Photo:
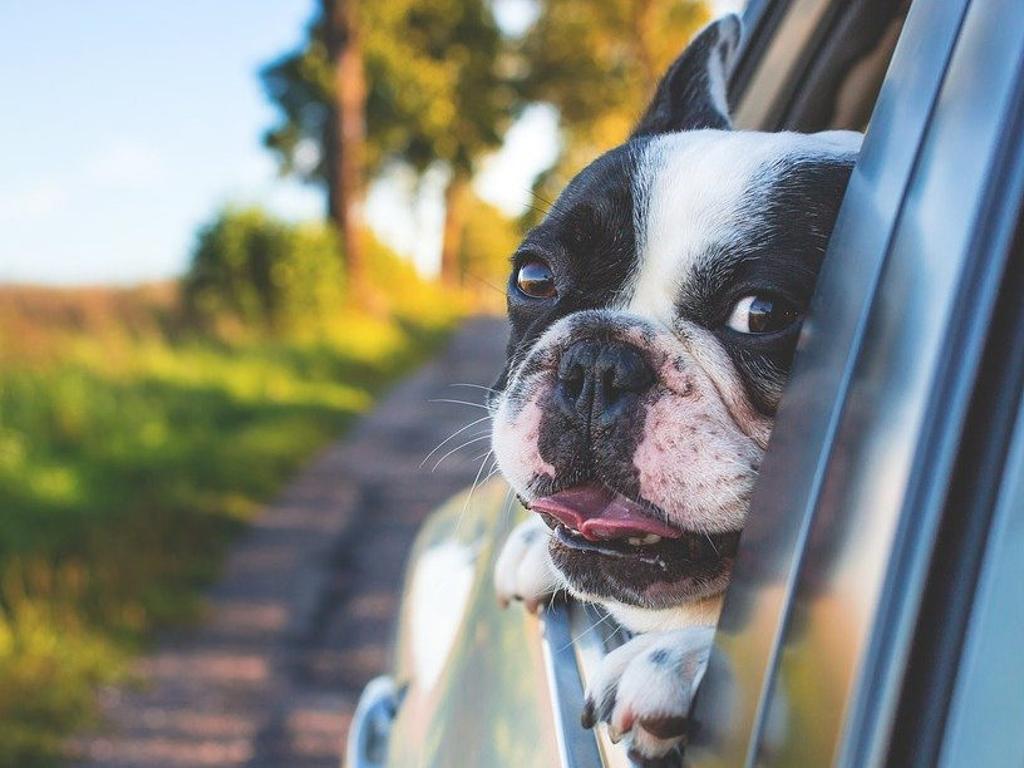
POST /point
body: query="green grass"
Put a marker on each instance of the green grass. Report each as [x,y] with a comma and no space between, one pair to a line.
[126,466]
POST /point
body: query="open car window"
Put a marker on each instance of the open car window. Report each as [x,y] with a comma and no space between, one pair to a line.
[820,618]
[795,72]
[811,65]
[812,654]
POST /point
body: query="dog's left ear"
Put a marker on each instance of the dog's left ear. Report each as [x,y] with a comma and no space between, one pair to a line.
[692,94]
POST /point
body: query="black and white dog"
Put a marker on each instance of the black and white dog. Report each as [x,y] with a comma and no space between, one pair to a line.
[654,313]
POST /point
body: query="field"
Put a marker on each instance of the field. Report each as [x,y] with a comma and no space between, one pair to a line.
[131,451]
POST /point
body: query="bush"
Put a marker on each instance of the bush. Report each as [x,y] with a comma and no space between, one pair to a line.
[252,271]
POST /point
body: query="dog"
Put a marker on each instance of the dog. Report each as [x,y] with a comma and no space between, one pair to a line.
[654,316]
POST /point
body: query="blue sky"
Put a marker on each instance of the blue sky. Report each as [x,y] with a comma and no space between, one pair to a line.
[126,124]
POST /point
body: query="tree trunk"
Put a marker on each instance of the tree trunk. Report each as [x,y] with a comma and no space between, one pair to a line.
[344,162]
[456,198]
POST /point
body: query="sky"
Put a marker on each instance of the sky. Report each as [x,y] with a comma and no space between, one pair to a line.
[127,125]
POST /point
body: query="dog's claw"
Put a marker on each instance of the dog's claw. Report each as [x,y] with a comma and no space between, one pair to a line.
[639,759]
[587,717]
[668,727]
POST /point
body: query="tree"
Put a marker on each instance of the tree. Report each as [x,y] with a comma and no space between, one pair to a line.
[346,137]
[598,62]
[435,92]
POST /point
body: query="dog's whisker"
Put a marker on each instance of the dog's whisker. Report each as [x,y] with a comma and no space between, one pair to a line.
[473,386]
[491,473]
[477,439]
[541,198]
[506,509]
[472,490]
[460,402]
[586,632]
[481,279]
[712,543]
[451,437]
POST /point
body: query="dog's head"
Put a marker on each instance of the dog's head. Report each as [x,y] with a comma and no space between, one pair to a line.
[654,314]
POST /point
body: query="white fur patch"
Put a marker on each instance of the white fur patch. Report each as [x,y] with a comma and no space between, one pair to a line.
[692,187]
[699,613]
[516,443]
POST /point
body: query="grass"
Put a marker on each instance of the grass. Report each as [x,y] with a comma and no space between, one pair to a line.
[129,458]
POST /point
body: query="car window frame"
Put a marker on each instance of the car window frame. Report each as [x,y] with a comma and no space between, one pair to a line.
[963,685]
[746,666]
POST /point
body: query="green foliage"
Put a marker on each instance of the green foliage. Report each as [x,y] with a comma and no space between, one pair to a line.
[250,270]
[301,85]
[435,89]
[127,463]
[598,62]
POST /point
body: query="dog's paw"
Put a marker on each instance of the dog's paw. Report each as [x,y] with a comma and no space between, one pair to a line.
[644,688]
[523,570]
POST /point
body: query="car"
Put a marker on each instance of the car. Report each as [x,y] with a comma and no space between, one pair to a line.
[877,601]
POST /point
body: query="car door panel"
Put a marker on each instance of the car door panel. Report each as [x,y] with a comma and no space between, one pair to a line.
[730,704]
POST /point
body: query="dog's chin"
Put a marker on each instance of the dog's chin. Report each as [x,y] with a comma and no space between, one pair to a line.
[660,575]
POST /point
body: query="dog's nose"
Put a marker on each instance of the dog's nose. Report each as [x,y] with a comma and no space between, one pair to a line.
[599,380]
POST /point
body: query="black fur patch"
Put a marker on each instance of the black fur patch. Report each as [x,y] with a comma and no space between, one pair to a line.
[674,579]
[588,239]
[777,252]
[683,100]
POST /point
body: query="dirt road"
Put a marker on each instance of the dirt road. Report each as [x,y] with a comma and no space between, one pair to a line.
[303,613]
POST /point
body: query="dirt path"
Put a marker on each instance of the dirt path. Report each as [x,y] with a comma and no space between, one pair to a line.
[302,616]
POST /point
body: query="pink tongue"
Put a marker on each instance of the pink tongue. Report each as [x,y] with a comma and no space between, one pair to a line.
[599,513]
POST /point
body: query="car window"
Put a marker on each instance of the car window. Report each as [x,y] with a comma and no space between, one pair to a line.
[820,610]
[592,637]
[812,65]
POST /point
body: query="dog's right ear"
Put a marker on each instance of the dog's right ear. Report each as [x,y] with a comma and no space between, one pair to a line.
[692,94]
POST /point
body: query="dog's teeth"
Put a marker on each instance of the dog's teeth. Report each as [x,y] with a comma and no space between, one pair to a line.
[638,541]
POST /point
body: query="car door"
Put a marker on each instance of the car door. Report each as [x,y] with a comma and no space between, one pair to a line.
[852,595]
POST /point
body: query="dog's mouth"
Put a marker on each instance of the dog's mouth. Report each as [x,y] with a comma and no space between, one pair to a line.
[594,518]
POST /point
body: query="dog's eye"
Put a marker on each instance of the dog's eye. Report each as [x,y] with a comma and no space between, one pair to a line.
[535,279]
[762,314]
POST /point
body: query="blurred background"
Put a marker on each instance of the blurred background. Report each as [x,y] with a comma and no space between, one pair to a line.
[225,229]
